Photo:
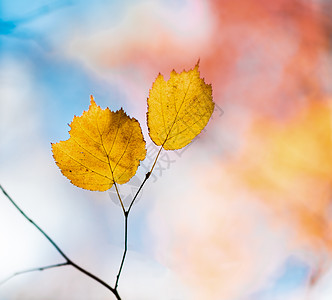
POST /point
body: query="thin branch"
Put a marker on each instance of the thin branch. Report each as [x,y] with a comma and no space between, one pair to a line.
[124,251]
[33,270]
[34,224]
[126,214]
[68,261]
[147,175]
[87,273]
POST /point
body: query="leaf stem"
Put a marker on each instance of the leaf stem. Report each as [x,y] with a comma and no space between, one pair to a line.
[155,161]
[147,175]
[117,191]
[68,261]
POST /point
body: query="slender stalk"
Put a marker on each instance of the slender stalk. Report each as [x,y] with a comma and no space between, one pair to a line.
[117,191]
[147,175]
[155,161]
[33,270]
[126,214]
[68,261]
[124,251]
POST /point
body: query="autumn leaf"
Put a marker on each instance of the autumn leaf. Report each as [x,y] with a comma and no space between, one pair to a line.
[178,109]
[104,148]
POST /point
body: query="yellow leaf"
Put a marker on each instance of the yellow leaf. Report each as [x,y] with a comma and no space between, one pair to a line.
[178,109]
[104,147]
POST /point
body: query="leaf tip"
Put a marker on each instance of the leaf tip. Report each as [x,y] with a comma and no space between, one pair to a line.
[159,77]
[197,64]
[92,101]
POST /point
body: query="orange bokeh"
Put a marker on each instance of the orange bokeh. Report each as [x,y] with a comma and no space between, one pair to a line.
[290,166]
[263,55]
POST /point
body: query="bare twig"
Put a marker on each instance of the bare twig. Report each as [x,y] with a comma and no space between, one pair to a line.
[33,270]
[126,214]
[68,261]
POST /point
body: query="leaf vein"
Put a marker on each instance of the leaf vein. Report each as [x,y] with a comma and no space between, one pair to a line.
[71,157]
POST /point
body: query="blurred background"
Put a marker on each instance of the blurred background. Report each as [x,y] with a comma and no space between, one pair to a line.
[242,213]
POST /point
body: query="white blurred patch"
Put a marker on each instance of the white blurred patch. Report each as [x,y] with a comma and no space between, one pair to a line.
[209,232]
